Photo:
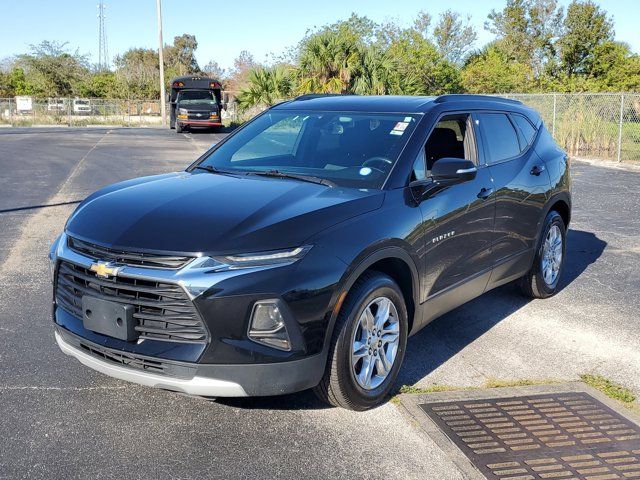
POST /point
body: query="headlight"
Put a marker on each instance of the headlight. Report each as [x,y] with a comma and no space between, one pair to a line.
[259,259]
[53,257]
[183,111]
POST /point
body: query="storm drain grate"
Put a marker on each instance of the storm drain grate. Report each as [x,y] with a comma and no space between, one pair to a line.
[555,436]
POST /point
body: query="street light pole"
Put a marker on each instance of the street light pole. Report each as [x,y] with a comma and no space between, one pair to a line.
[163,107]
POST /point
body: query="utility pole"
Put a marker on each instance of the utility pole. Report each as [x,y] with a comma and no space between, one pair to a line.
[163,107]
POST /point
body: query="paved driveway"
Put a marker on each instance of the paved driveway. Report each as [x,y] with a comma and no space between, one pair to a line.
[58,418]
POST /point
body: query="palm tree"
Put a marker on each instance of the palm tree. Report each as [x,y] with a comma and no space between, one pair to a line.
[266,86]
[376,73]
[327,63]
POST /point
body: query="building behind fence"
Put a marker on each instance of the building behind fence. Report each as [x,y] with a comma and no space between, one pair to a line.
[604,126]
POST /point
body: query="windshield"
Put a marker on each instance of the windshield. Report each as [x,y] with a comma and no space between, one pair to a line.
[351,149]
[187,97]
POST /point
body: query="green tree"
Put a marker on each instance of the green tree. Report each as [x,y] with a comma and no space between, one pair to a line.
[614,68]
[376,73]
[454,37]
[526,31]
[102,84]
[137,69]
[266,86]
[420,69]
[327,63]
[52,70]
[491,71]
[586,26]
[17,83]
[180,57]
[137,72]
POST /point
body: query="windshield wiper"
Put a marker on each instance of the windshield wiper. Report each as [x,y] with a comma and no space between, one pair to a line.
[212,169]
[294,176]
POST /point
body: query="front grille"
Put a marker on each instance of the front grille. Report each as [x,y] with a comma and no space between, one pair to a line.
[135,259]
[125,359]
[204,115]
[162,310]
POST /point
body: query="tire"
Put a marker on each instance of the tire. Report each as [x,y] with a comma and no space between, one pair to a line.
[340,385]
[534,284]
[178,128]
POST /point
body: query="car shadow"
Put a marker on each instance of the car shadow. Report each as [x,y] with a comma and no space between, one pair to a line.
[227,129]
[448,335]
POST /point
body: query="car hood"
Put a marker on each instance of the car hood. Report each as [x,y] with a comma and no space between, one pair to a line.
[214,214]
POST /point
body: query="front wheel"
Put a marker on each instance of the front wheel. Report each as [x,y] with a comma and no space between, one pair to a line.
[367,346]
[542,279]
[178,128]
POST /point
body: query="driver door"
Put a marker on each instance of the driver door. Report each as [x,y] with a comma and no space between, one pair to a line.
[459,220]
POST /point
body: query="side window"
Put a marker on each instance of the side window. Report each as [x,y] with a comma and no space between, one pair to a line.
[500,137]
[419,171]
[450,138]
[527,130]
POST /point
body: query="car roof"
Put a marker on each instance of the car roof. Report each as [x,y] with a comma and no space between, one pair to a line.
[363,103]
[405,104]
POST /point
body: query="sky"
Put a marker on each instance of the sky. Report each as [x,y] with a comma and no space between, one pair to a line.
[223,29]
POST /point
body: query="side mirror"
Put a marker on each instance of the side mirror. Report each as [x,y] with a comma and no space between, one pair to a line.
[451,171]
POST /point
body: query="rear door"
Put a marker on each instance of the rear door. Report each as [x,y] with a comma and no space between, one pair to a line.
[521,183]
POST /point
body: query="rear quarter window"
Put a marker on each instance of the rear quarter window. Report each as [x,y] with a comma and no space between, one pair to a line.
[528,131]
[500,137]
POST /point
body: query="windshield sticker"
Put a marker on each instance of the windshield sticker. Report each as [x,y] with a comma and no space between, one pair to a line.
[365,171]
[399,128]
[408,119]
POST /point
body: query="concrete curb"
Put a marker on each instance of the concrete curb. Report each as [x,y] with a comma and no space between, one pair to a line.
[630,167]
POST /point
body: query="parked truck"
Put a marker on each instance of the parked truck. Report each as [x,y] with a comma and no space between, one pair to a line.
[195,102]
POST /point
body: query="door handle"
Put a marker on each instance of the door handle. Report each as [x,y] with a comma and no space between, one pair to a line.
[485,193]
[537,170]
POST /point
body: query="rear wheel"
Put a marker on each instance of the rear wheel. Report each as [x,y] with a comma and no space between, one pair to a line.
[368,345]
[542,280]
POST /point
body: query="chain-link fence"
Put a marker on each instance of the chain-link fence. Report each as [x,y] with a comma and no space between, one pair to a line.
[605,126]
[593,125]
[29,111]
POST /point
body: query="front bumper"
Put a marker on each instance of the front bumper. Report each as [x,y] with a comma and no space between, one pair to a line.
[194,386]
[206,380]
[200,123]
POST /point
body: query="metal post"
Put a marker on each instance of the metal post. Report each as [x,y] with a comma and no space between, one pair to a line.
[163,108]
[553,126]
[620,128]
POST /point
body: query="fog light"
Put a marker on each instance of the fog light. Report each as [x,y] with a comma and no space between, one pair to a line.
[267,325]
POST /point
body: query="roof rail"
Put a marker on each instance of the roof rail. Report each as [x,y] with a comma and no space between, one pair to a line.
[451,97]
[311,96]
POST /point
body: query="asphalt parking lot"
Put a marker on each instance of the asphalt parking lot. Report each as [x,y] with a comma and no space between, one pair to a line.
[60,419]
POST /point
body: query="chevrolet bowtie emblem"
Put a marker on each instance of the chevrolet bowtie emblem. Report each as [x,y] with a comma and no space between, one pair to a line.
[104,269]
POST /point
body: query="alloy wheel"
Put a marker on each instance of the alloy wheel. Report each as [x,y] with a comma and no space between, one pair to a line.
[552,255]
[375,343]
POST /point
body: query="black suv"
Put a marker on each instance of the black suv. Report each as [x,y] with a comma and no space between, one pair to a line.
[303,249]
